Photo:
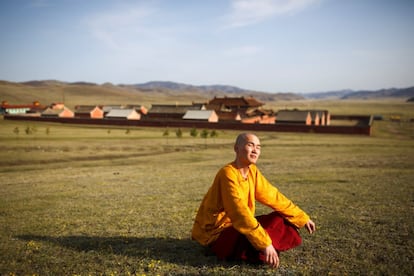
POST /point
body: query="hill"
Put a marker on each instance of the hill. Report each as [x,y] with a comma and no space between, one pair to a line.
[182,86]
[210,91]
[392,92]
[363,94]
[75,93]
[49,91]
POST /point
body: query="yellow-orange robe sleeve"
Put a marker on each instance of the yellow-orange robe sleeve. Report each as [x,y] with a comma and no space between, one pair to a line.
[269,195]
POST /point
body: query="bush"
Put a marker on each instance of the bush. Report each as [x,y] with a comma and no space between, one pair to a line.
[213,133]
[204,133]
[194,132]
[30,130]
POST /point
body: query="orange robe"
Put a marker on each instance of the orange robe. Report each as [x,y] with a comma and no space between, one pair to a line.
[230,201]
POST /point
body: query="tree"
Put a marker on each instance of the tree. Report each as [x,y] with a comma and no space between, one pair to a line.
[166,133]
[204,133]
[213,134]
[179,133]
[28,130]
[194,132]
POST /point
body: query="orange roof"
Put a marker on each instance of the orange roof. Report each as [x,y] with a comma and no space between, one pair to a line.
[18,106]
[236,101]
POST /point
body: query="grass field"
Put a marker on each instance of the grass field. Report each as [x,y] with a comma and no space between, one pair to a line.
[79,200]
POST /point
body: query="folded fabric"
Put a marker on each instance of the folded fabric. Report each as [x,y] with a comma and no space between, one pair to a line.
[232,245]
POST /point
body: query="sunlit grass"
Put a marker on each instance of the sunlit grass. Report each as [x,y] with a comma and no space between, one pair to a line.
[89,200]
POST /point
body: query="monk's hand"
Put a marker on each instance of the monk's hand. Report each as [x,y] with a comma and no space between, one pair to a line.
[271,257]
[310,226]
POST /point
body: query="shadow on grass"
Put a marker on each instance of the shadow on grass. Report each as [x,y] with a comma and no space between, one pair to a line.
[182,252]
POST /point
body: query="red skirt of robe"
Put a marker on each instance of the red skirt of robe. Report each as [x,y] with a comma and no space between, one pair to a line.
[232,245]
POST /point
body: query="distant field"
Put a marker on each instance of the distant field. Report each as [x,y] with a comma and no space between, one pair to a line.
[117,201]
[384,107]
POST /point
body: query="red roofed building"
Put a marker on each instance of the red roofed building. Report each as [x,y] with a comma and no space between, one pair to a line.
[248,110]
[12,109]
[58,110]
[171,111]
[88,111]
[294,117]
[233,103]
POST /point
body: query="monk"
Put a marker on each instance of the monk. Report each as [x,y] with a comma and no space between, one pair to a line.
[225,222]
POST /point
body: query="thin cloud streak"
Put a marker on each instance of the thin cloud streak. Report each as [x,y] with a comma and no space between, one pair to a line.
[112,28]
[249,12]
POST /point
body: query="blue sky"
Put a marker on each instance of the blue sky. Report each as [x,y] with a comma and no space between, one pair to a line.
[263,45]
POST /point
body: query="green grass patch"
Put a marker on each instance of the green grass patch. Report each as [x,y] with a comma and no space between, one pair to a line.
[84,200]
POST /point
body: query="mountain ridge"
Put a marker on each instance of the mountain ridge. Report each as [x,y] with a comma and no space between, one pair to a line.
[182,86]
[338,94]
[345,94]
[167,90]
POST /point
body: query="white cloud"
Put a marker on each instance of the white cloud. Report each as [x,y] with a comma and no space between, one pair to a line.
[115,28]
[248,12]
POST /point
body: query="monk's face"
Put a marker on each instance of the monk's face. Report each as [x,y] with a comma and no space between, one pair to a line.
[248,150]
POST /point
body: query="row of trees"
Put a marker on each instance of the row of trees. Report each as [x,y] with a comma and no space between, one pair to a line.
[193,133]
[178,133]
[29,130]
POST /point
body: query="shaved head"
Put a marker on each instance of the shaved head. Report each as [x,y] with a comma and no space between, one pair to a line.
[247,149]
[242,138]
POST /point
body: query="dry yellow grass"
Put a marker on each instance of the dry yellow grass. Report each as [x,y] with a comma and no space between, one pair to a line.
[89,200]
